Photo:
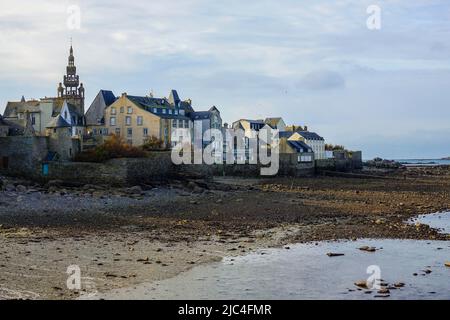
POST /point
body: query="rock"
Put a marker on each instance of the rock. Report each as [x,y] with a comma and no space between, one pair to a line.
[21,188]
[135,190]
[447,264]
[10,187]
[55,183]
[331,254]
[427,271]
[361,284]
[399,285]
[384,291]
[143,260]
[368,249]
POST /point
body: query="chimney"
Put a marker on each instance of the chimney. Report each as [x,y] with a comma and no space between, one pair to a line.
[306,128]
[124,94]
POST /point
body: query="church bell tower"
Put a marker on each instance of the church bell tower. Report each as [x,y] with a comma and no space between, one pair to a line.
[73,90]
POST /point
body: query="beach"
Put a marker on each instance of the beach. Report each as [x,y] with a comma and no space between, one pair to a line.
[123,237]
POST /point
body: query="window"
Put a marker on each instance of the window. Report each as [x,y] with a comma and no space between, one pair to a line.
[130,110]
[65,115]
[20,115]
[33,119]
[112,121]
[113,110]
[130,142]
[174,123]
[170,111]
[140,121]
[175,112]
[145,132]
[122,109]
[95,131]
[128,121]
[164,111]
[4,163]
[129,132]
[155,110]
[118,132]
[105,131]
[186,124]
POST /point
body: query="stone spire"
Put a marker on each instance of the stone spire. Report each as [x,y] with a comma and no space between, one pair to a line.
[71,89]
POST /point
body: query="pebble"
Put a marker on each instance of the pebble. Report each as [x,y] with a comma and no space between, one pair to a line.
[331,254]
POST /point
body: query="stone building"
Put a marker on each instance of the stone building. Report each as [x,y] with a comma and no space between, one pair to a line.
[138,118]
[39,113]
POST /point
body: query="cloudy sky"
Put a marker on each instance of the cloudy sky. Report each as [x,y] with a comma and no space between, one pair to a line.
[386,92]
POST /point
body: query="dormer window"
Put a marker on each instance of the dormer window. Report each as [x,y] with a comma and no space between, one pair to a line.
[155,110]
[164,111]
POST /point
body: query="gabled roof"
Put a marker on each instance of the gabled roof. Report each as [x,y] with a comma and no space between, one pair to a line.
[300,146]
[58,122]
[310,135]
[200,115]
[12,108]
[150,102]
[108,97]
[174,99]
[273,121]
[286,134]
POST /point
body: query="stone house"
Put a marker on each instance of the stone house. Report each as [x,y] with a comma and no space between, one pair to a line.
[312,139]
[276,123]
[137,118]
[95,115]
[207,120]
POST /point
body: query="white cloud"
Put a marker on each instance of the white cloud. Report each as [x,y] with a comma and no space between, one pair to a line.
[247,57]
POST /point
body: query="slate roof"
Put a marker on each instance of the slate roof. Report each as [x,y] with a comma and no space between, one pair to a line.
[300,146]
[310,135]
[200,115]
[13,108]
[286,134]
[58,122]
[148,103]
[273,121]
[108,97]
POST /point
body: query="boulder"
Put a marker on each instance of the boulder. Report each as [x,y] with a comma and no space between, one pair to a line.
[21,188]
[135,190]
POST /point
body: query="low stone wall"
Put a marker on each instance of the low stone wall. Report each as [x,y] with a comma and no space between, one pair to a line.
[288,165]
[116,172]
[22,156]
[341,165]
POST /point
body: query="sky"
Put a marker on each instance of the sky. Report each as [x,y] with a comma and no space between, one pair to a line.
[384,91]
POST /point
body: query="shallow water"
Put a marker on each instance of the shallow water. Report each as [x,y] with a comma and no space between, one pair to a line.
[306,272]
[440,221]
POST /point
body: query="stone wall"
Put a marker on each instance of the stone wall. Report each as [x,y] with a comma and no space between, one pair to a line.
[342,165]
[288,166]
[22,156]
[117,172]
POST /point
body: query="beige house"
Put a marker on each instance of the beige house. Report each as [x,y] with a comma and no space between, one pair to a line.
[136,119]
[312,139]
